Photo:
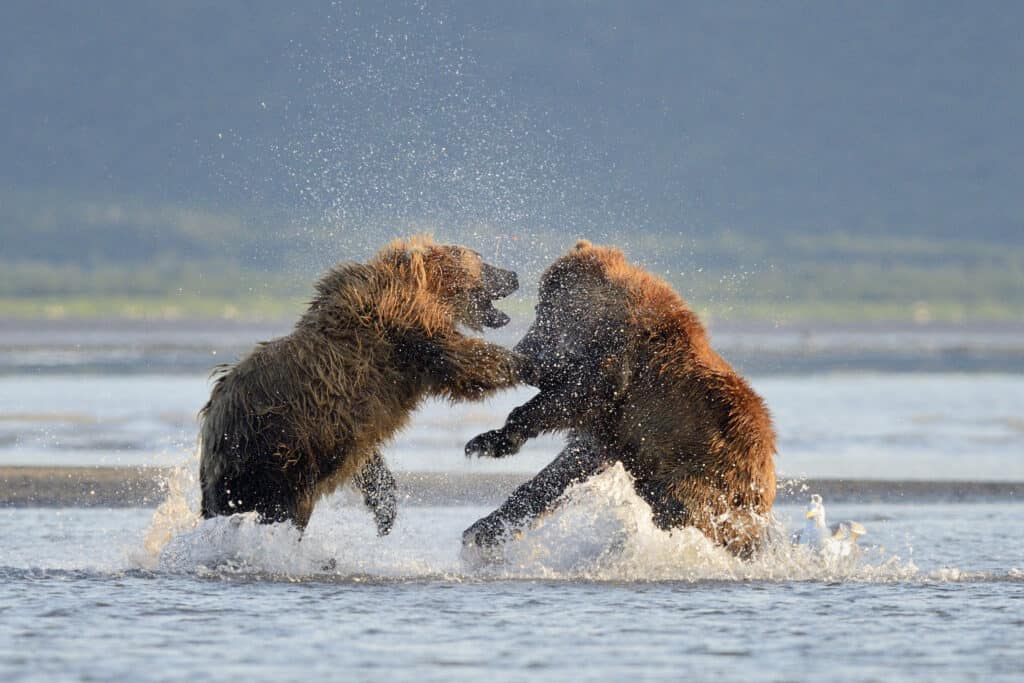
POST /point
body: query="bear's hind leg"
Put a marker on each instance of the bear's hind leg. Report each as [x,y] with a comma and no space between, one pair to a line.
[271,497]
[667,512]
[578,460]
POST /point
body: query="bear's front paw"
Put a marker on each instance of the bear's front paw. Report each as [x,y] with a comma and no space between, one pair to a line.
[493,444]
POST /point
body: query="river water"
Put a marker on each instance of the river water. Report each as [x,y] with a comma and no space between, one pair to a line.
[593,592]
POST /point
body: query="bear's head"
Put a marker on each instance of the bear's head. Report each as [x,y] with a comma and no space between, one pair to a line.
[581,312]
[448,284]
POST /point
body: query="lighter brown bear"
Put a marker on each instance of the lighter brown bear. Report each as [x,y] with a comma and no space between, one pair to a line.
[626,368]
[302,414]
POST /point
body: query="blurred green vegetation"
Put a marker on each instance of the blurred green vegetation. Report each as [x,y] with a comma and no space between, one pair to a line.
[211,273]
[842,277]
[69,257]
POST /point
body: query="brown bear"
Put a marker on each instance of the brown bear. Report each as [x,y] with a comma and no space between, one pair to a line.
[625,366]
[302,414]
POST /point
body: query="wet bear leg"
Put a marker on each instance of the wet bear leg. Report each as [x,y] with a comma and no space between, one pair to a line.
[667,513]
[545,412]
[579,460]
[269,496]
[377,484]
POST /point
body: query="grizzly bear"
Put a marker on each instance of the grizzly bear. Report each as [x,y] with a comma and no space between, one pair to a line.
[302,414]
[625,366]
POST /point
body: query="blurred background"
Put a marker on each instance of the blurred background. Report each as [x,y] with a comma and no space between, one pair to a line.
[782,162]
[834,186]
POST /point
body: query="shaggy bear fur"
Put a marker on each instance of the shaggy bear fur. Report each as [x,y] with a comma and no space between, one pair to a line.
[626,367]
[302,414]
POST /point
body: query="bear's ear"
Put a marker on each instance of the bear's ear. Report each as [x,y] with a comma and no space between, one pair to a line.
[573,271]
[583,244]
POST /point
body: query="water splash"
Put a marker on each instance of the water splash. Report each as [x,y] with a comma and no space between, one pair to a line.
[395,127]
[177,514]
[340,546]
[234,544]
[601,532]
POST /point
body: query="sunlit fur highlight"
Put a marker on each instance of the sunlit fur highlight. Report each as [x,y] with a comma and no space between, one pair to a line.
[726,478]
[660,398]
[301,414]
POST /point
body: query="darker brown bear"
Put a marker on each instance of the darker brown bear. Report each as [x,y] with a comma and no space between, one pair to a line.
[626,368]
[302,414]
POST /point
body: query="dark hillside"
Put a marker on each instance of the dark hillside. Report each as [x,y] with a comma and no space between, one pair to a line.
[196,137]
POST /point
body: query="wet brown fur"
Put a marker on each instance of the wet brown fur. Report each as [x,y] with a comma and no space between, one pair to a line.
[644,384]
[302,414]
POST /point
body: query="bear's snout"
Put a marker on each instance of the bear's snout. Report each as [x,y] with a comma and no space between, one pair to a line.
[499,283]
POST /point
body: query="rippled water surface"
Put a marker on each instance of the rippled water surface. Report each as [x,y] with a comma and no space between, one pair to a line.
[904,426]
[594,593]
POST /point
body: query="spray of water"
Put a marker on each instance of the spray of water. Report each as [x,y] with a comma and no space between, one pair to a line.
[602,531]
[398,128]
[176,515]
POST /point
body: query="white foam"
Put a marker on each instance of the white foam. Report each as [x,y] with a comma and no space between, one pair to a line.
[602,531]
[237,543]
[177,514]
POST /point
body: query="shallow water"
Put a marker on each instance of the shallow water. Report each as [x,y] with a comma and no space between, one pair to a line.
[909,426]
[153,627]
[594,592]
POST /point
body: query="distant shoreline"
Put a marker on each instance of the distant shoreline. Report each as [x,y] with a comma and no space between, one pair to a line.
[120,346]
[56,487]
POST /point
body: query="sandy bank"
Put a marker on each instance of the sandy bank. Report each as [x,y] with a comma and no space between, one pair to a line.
[144,487]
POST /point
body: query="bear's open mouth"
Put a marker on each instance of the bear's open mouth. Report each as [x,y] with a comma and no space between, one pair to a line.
[489,315]
[498,284]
